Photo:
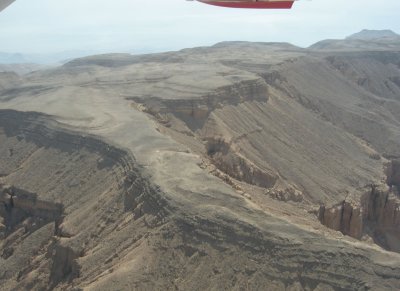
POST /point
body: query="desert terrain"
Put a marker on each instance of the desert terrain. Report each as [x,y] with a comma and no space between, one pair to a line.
[241,166]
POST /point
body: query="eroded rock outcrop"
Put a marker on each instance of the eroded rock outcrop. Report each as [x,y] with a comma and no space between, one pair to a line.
[194,111]
[376,214]
[346,217]
[227,159]
[64,266]
[101,189]
[18,205]
[393,173]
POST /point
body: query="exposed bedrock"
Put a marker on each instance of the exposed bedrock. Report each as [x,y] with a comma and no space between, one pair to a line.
[376,214]
[291,266]
[127,233]
[374,71]
[194,111]
[393,173]
[71,194]
[230,161]
[42,132]
[64,265]
[357,92]
[17,205]
[259,137]
[169,224]
[343,217]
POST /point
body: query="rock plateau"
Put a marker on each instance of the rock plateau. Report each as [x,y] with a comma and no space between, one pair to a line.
[241,166]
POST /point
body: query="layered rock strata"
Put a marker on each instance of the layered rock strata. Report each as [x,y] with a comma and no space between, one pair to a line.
[376,214]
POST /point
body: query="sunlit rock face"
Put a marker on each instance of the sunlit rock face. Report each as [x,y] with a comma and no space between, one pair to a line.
[376,215]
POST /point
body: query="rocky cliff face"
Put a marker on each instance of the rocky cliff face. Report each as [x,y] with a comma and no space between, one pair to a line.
[228,159]
[19,207]
[203,169]
[375,72]
[40,235]
[376,214]
[393,173]
[114,216]
[194,112]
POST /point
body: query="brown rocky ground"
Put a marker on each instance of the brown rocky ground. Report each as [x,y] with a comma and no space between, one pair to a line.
[242,166]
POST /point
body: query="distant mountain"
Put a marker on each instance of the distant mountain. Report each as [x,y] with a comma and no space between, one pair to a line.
[363,40]
[374,35]
[22,69]
[12,58]
[43,59]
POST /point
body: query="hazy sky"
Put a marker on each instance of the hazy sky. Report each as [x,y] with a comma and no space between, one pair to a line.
[44,26]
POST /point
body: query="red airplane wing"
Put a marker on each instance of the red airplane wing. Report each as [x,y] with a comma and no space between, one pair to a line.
[260,4]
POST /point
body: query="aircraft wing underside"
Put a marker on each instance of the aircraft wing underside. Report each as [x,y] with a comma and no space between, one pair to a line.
[255,4]
[5,3]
